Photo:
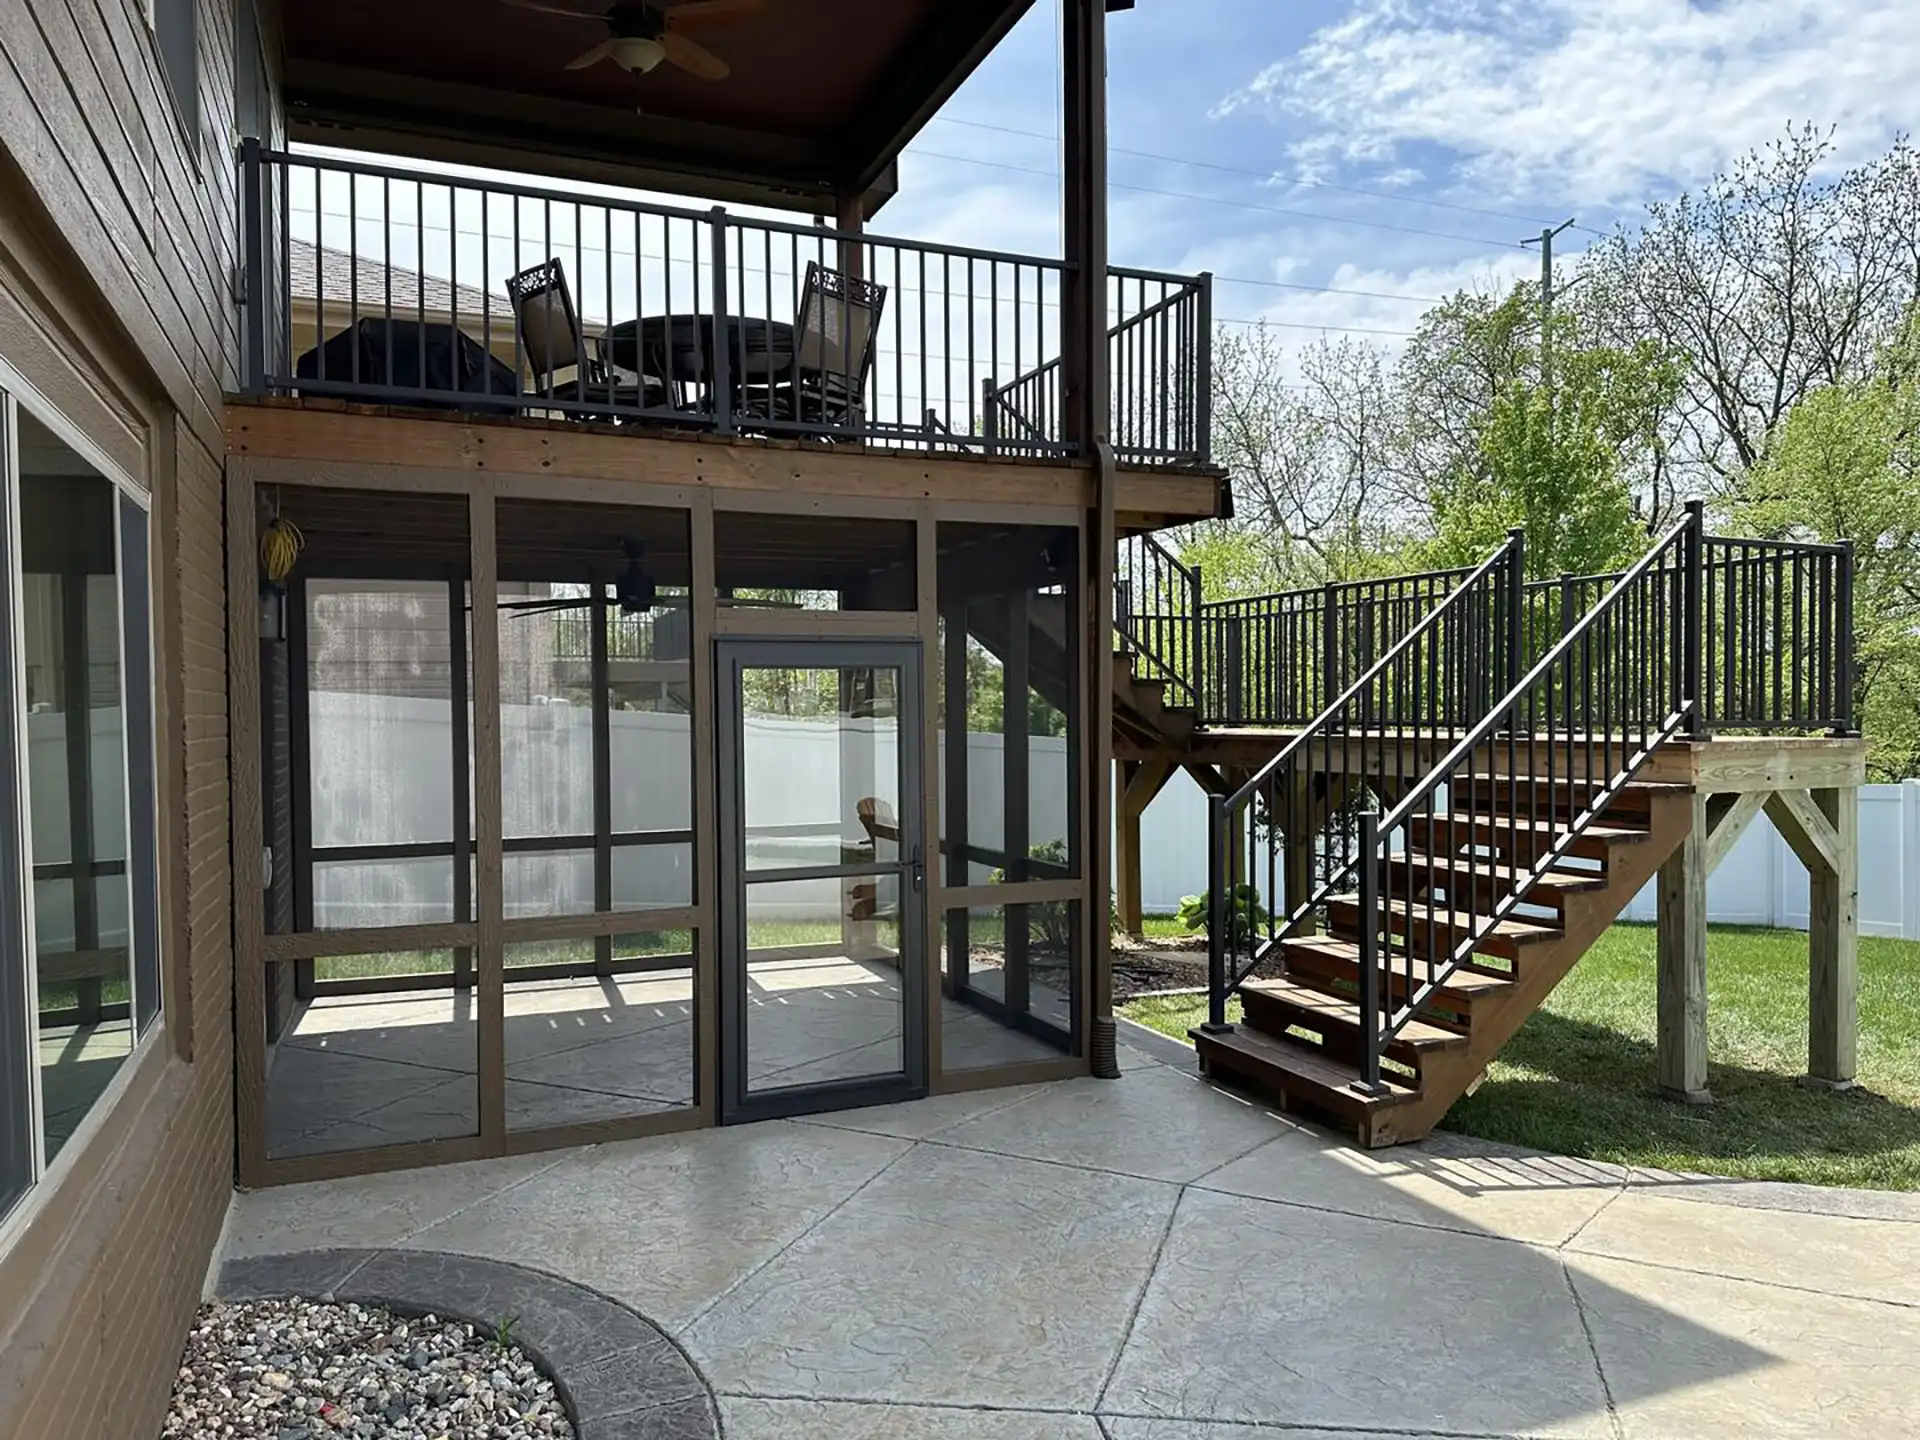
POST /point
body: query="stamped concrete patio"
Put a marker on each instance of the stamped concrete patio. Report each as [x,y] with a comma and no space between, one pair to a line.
[1154,1259]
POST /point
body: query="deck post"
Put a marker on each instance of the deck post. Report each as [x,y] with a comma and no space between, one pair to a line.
[1087,417]
[1126,860]
[849,218]
[1833,944]
[1681,1059]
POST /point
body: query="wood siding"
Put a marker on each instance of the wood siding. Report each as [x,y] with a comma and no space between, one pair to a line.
[117,258]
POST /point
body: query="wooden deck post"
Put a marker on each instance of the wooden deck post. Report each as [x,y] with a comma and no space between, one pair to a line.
[1833,944]
[1823,828]
[1136,784]
[1126,861]
[1681,1059]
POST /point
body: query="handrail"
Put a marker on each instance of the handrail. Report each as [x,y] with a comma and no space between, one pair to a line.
[1160,354]
[1398,698]
[1646,631]
[1165,639]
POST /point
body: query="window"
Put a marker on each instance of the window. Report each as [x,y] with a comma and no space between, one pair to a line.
[175,31]
[79,888]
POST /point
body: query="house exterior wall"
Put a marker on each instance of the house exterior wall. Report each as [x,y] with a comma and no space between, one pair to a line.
[117,252]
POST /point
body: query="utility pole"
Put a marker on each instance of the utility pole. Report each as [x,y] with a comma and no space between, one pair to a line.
[1545,241]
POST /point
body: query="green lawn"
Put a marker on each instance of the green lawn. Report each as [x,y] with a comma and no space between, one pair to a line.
[1579,1077]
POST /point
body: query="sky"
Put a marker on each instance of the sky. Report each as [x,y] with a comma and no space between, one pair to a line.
[1340,164]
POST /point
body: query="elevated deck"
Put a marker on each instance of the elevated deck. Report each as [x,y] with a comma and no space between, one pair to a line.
[1430,794]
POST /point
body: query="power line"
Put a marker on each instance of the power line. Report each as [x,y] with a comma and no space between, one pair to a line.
[1234,204]
[1328,290]
[1264,174]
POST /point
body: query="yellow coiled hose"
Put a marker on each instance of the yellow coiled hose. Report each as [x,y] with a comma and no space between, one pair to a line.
[280,548]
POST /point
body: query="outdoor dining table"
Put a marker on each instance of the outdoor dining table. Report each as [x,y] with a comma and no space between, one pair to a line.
[757,350]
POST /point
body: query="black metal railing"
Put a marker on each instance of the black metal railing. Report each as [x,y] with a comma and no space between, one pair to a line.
[1450,830]
[1776,622]
[1777,636]
[1156,599]
[366,282]
[1286,839]
[1459,853]
[1160,363]
[1281,659]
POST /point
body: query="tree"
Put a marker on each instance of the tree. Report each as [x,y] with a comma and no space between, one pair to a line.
[1845,465]
[1309,441]
[1769,282]
[1565,436]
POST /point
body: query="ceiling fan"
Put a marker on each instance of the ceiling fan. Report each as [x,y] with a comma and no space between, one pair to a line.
[645,33]
[634,590]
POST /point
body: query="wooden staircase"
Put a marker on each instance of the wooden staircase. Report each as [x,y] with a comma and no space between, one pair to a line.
[1302,1036]
[1143,713]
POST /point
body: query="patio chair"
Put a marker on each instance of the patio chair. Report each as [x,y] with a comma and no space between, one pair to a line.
[833,353]
[551,341]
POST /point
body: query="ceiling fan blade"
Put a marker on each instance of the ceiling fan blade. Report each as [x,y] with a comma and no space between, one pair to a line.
[592,57]
[713,9]
[584,10]
[693,57]
[542,607]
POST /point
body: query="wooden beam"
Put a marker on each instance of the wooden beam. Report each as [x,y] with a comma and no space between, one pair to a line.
[1681,1058]
[1767,763]
[245,819]
[489,834]
[368,447]
[1728,817]
[932,922]
[1833,944]
[707,818]
[1807,830]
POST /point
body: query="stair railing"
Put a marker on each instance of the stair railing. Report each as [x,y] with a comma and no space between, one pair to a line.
[1622,680]
[1156,601]
[1432,684]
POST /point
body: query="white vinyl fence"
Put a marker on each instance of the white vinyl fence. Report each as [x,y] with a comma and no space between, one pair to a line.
[382,769]
[1760,883]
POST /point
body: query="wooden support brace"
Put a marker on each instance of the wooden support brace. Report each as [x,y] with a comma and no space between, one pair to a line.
[1803,824]
[1681,1058]
[1728,817]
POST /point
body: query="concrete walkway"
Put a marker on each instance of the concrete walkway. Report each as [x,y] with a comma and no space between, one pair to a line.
[1153,1259]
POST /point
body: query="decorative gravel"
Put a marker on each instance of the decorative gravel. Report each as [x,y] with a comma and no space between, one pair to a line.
[305,1369]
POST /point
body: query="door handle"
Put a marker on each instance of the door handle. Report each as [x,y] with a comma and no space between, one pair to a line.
[918,871]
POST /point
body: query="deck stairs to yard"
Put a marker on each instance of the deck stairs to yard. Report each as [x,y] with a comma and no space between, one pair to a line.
[1456,806]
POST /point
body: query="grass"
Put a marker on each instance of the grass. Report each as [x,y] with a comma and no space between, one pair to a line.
[1578,1078]
[1163,927]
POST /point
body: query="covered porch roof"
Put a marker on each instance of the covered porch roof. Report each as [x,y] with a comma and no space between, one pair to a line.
[819,98]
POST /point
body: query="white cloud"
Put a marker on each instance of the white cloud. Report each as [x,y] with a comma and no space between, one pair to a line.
[1593,101]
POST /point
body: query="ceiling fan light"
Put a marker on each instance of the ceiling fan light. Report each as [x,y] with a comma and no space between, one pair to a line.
[639,54]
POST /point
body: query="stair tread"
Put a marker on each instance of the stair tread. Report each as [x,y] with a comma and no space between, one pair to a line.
[1560,778]
[1539,827]
[1511,928]
[1339,1010]
[1552,879]
[1465,982]
[1307,1064]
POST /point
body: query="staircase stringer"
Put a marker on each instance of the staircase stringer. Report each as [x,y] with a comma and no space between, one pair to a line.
[1585,918]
